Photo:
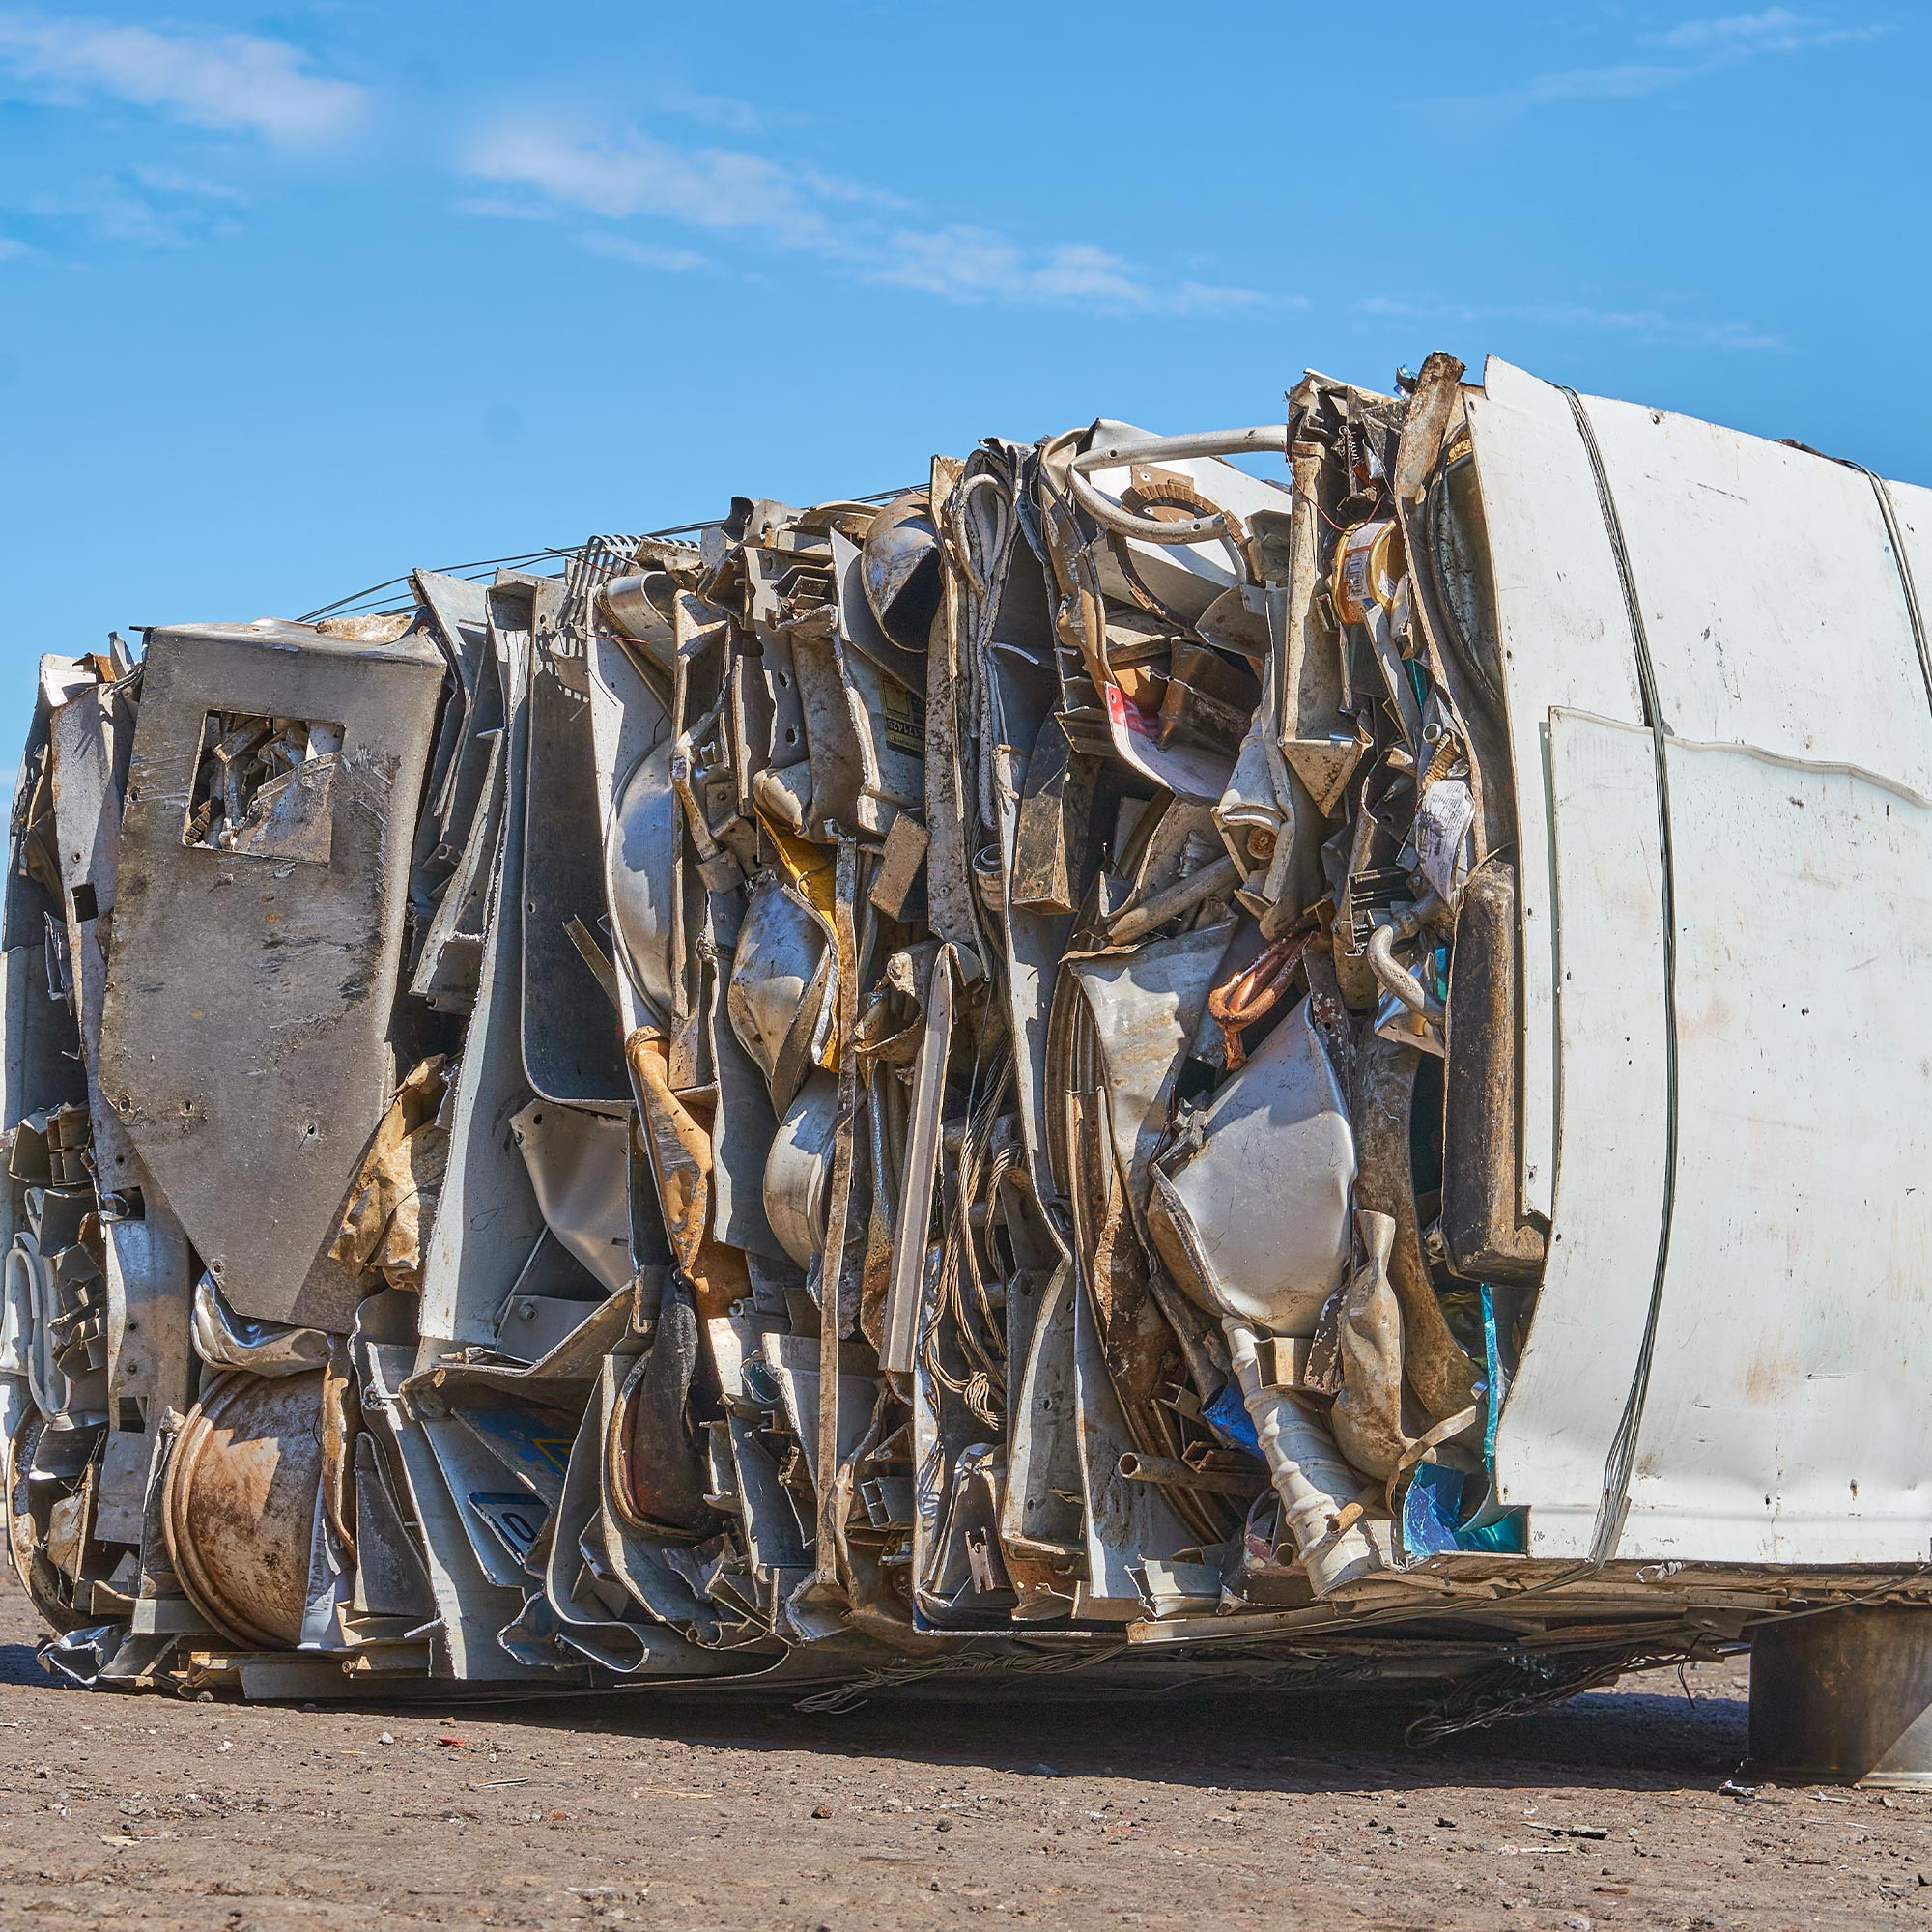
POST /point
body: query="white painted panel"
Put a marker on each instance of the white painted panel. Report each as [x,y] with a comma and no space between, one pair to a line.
[1770,592]
[1575,1373]
[1565,641]
[1788,1418]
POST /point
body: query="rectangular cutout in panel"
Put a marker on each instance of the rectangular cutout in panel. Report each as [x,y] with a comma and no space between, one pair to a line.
[264,787]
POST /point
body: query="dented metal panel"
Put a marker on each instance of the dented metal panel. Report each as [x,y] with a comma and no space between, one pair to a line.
[1773,609]
[489,1219]
[1785,1421]
[244,1039]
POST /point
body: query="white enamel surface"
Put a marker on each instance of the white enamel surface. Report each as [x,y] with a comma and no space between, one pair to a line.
[1783,1422]
[1787,1419]
[1571,1387]
[1771,595]
[1565,641]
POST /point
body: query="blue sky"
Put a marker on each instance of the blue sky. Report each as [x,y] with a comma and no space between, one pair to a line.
[293,298]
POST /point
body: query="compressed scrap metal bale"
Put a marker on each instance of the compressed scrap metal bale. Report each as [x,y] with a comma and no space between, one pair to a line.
[1071,1071]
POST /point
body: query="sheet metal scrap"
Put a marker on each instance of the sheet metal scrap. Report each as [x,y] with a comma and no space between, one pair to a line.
[868,1094]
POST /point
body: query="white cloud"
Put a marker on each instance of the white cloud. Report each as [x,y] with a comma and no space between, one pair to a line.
[1629,80]
[234,82]
[623,248]
[1691,50]
[504,207]
[856,194]
[844,223]
[972,265]
[12,250]
[712,110]
[1774,30]
[198,187]
[708,187]
[148,207]
[1645,324]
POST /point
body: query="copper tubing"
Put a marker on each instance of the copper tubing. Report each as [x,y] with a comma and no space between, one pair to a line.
[1252,994]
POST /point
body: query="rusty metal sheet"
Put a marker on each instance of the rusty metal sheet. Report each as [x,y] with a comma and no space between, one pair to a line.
[243,1482]
[244,1035]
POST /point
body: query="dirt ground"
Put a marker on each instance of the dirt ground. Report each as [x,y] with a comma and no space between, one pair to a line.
[124,1811]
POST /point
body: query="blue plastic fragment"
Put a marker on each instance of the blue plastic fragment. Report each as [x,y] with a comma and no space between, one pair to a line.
[1431,1517]
[1437,1512]
[1494,1376]
[1431,1508]
[1226,1415]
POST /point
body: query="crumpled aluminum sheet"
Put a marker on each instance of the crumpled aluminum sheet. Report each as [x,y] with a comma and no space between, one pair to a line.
[225,1339]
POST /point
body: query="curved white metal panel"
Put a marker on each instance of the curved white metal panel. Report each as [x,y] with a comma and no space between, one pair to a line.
[1565,641]
[1787,1420]
[1771,595]
[1562,1415]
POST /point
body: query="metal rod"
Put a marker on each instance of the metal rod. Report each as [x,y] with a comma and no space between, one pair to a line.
[1261,440]
[1173,1474]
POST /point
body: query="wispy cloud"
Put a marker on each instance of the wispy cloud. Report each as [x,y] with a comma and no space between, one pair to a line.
[846,224]
[505,208]
[146,207]
[713,110]
[1772,30]
[508,207]
[979,264]
[232,82]
[634,174]
[1625,80]
[1643,324]
[177,181]
[1688,51]
[13,251]
[644,254]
